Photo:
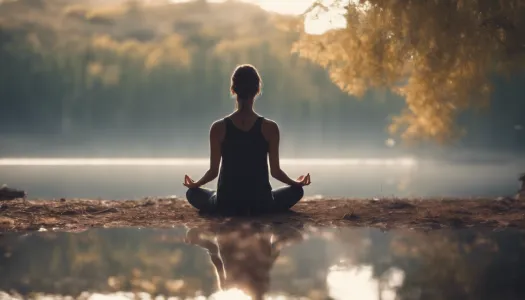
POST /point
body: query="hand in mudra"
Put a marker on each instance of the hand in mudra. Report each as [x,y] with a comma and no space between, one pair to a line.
[304,180]
[189,183]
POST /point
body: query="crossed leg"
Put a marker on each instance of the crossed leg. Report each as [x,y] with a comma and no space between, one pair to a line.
[202,199]
[284,198]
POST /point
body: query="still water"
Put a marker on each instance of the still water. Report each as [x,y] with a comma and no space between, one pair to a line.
[278,262]
[138,178]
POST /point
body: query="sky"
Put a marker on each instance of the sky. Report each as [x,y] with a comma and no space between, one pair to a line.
[314,24]
[293,7]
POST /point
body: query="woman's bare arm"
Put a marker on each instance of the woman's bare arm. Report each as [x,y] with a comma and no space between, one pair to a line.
[273,138]
[216,137]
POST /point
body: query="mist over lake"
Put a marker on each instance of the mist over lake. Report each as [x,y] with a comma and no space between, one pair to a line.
[135,178]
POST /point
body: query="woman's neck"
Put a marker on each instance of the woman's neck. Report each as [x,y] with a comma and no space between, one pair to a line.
[244,106]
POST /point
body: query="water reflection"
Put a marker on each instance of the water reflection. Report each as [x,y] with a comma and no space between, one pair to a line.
[358,282]
[243,256]
[240,261]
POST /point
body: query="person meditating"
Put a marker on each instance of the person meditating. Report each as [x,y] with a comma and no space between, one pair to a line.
[245,141]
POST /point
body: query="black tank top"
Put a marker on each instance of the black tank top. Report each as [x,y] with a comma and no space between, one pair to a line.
[244,184]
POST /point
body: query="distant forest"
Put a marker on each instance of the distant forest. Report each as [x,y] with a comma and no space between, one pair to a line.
[98,78]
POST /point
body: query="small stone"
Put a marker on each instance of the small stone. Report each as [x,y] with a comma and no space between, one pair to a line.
[456,222]
[11,194]
[506,200]
[400,205]
[149,202]
[62,199]
[350,217]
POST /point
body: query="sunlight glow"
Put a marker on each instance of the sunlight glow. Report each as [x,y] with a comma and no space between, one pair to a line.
[359,283]
[289,7]
[231,294]
[117,296]
[395,162]
[316,22]
[320,21]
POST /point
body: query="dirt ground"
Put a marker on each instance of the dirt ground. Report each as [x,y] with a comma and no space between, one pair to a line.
[76,215]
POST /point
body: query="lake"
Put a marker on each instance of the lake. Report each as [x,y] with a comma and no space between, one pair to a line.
[279,262]
[138,178]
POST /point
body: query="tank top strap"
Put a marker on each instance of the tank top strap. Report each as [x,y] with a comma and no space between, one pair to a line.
[228,122]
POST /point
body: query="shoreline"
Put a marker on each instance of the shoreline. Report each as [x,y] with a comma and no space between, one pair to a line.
[76,215]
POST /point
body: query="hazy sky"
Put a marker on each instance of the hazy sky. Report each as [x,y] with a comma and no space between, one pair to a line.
[314,25]
[283,6]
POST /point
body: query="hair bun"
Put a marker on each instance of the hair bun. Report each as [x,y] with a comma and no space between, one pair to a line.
[246,82]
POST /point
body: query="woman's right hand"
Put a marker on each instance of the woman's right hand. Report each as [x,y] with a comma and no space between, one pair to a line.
[190,183]
[304,180]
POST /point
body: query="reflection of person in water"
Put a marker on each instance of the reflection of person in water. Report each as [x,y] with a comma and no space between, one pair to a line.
[243,256]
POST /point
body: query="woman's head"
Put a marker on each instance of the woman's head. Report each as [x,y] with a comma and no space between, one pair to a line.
[245,82]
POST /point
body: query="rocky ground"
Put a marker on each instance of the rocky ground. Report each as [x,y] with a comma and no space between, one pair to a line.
[420,214]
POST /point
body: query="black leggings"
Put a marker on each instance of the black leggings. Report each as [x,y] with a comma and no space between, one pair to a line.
[284,198]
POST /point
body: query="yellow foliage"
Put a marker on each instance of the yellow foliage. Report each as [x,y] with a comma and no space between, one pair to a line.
[107,12]
[95,69]
[439,55]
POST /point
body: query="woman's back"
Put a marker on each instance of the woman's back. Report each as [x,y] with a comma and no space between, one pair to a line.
[244,180]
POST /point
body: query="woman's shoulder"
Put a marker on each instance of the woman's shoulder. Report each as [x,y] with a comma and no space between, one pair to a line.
[269,123]
[218,126]
[269,127]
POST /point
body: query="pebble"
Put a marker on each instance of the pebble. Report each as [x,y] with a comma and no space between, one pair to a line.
[351,216]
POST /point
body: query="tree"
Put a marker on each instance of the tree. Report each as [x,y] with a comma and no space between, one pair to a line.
[439,55]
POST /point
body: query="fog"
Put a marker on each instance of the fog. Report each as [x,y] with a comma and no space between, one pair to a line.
[131,179]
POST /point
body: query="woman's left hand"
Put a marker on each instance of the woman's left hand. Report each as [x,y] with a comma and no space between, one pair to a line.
[190,183]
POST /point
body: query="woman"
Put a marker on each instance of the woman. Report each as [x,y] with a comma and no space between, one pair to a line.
[244,140]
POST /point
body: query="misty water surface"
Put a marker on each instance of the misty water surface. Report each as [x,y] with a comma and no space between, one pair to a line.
[331,178]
